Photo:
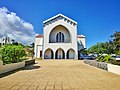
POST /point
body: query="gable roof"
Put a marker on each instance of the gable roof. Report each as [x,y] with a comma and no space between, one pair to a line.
[57,16]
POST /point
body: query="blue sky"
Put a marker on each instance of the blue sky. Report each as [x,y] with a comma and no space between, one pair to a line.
[97,19]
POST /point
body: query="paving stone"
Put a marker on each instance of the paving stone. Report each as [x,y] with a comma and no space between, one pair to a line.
[57,87]
[16,87]
[41,88]
[24,87]
[61,75]
[33,87]
[49,87]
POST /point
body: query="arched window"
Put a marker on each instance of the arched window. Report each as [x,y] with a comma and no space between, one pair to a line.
[57,38]
[60,37]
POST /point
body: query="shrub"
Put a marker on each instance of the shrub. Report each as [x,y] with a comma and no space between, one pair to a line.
[106,58]
[0,57]
[100,58]
[12,53]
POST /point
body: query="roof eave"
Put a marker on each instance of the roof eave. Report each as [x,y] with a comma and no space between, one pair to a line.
[57,16]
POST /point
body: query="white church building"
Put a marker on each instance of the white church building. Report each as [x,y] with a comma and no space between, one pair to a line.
[59,39]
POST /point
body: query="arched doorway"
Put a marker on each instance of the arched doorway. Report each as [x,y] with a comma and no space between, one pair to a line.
[70,54]
[48,54]
[60,54]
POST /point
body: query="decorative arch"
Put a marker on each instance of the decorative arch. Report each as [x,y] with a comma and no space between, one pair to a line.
[59,29]
[48,54]
[70,54]
[59,54]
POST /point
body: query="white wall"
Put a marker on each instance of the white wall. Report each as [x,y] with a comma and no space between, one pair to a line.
[38,47]
[10,67]
[65,46]
[82,43]
[114,68]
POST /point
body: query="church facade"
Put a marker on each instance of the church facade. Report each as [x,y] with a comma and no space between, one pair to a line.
[59,39]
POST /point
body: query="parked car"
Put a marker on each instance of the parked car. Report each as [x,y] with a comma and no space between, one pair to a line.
[86,57]
[92,57]
[116,57]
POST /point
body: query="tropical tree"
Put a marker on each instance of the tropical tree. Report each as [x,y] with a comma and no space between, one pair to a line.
[115,42]
[32,45]
[99,48]
[84,51]
[13,41]
[113,46]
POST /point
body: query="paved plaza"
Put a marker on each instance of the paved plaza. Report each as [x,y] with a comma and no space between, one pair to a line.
[60,75]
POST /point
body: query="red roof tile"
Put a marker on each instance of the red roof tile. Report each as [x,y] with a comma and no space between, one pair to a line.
[39,36]
[80,36]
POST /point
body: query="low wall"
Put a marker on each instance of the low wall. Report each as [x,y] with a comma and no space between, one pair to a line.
[11,67]
[101,65]
[14,66]
[106,66]
[29,62]
[114,68]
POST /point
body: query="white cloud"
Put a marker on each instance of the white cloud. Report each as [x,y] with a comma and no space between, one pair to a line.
[14,27]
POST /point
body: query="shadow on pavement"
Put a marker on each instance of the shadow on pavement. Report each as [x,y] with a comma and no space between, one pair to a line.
[9,73]
[30,67]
